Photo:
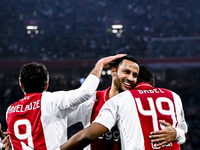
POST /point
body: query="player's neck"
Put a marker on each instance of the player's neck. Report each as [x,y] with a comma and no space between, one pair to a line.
[112,92]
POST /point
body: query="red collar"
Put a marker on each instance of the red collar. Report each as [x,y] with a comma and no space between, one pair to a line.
[105,96]
[31,94]
[143,84]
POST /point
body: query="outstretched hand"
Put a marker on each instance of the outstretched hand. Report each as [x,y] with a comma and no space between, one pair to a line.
[5,139]
[107,60]
[164,136]
[6,142]
[104,63]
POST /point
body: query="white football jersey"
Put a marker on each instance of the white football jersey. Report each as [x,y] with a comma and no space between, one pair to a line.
[39,120]
[87,112]
[137,113]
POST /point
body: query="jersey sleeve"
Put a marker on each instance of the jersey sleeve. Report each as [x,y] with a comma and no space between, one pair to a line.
[65,102]
[181,128]
[83,93]
[82,113]
[108,113]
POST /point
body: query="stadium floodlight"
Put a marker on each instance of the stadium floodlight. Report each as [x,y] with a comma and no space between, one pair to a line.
[103,73]
[28,32]
[36,32]
[120,31]
[108,72]
[117,29]
[117,26]
[30,27]
[114,31]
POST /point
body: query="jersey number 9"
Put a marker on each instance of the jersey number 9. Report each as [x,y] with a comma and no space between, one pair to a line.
[22,136]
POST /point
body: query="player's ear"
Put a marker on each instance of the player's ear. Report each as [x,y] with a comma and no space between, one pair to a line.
[153,83]
[47,85]
[20,83]
[21,87]
[113,71]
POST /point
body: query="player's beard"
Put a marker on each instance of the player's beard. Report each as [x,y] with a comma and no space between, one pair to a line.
[118,83]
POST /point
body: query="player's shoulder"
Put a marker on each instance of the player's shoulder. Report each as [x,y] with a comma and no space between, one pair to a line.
[100,92]
[175,95]
[123,96]
[50,95]
[120,100]
[46,93]
[49,98]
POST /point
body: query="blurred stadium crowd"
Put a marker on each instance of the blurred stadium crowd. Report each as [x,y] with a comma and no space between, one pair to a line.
[81,29]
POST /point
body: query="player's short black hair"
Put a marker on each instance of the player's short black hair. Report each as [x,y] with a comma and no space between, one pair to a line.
[33,77]
[145,75]
[116,62]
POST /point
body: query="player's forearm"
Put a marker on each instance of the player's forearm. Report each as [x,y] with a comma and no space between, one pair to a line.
[84,137]
[77,142]
[98,69]
[83,93]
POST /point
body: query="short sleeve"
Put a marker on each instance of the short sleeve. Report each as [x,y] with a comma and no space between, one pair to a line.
[108,114]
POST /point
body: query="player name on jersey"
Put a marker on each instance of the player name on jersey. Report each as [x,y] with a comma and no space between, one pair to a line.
[150,91]
[22,108]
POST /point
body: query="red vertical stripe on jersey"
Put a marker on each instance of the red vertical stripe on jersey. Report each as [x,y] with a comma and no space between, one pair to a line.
[97,105]
[107,141]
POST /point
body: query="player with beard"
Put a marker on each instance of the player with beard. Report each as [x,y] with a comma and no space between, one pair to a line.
[137,113]
[39,120]
[124,72]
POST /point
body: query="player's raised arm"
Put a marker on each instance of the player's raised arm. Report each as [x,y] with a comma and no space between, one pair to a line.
[87,89]
[90,84]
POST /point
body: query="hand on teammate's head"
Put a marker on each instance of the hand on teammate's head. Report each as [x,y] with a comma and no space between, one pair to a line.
[107,60]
